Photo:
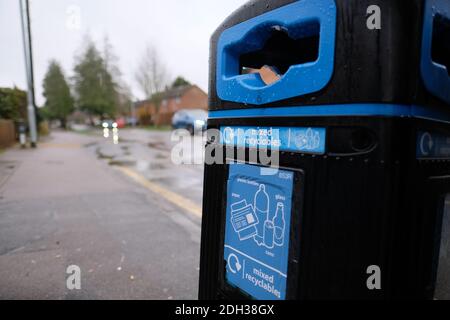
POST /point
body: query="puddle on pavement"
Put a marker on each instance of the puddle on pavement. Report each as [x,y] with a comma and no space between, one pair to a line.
[157,145]
[6,169]
[177,181]
[123,140]
[144,165]
[90,144]
[54,162]
[103,156]
[122,162]
[157,166]
[161,156]
[8,164]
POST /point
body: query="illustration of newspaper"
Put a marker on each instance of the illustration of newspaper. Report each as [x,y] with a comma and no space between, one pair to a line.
[244,220]
[255,221]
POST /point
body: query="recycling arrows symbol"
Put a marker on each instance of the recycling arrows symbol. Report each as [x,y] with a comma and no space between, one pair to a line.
[236,264]
[426,144]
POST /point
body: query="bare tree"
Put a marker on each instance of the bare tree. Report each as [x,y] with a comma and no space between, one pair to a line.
[111,60]
[151,74]
[124,96]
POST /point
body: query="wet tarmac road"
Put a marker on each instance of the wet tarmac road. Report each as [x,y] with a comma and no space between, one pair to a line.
[118,211]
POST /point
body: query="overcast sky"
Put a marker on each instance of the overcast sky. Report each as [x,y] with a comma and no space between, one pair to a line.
[180,29]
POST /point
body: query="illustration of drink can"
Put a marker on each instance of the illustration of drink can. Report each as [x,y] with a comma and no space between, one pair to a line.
[268,234]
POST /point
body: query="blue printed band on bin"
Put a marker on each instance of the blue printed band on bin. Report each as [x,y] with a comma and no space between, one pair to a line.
[296,139]
[258,218]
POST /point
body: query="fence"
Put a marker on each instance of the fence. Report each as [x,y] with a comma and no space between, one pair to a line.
[7,133]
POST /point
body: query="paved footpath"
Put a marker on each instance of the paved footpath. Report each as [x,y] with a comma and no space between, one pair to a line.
[61,206]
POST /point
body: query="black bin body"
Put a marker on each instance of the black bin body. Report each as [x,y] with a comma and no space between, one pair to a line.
[374,192]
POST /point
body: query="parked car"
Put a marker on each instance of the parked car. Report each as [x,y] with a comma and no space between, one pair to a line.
[193,120]
[121,122]
[131,121]
[109,124]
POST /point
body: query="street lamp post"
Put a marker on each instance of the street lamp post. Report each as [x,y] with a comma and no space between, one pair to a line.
[26,34]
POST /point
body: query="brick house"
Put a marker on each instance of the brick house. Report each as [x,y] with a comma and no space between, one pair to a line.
[183,97]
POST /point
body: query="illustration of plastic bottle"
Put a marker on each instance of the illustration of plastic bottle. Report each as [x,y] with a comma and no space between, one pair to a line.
[261,207]
[316,140]
[279,225]
[269,234]
[310,139]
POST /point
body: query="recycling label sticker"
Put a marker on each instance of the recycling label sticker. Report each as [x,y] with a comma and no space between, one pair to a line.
[297,139]
[258,216]
[432,145]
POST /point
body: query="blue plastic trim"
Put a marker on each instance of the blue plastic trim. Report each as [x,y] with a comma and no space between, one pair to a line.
[357,109]
[251,35]
[435,76]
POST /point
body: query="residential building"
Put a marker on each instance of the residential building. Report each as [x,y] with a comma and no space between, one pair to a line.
[172,100]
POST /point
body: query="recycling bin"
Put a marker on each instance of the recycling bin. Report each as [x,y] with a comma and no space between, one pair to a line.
[355,204]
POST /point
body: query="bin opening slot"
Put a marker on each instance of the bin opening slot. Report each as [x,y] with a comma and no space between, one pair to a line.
[440,46]
[282,49]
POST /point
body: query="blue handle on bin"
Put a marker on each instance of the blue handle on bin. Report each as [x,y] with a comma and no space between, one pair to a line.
[298,19]
[435,76]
